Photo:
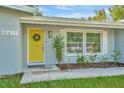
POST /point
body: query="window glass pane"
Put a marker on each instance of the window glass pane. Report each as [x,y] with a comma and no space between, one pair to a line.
[74,37]
[93,42]
[74,42]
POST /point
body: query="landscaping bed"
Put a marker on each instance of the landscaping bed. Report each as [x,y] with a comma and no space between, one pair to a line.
[90,65]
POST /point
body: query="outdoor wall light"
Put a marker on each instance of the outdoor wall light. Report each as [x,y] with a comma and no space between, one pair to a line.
[50,34]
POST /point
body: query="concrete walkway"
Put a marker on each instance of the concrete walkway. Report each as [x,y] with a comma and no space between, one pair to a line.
[78,73]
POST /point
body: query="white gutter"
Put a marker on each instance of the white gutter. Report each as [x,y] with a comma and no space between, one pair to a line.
[41,20]
[23,8]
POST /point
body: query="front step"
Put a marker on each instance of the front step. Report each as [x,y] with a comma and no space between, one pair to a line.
[41,68]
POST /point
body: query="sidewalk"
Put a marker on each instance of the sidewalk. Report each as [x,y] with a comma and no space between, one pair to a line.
[78,73]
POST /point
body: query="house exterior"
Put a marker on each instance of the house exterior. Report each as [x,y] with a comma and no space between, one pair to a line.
[27,40]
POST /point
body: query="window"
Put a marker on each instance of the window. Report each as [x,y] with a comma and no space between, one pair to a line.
[93,43]
[74,42]
[85,42]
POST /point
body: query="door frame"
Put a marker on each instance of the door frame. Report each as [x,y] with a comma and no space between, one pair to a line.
[28,62]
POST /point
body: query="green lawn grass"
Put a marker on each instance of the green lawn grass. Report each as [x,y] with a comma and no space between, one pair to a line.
[99,82]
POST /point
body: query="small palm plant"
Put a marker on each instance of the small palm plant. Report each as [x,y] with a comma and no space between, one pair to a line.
[58,45]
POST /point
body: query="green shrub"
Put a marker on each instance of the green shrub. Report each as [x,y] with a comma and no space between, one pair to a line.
[104,59]
[92,58]
[116,56]
[86,59]
[58,45]
[80,59]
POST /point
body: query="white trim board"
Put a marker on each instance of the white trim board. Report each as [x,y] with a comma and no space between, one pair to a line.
[47,21]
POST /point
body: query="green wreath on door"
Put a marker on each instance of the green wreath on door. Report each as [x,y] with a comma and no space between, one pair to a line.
[36,37]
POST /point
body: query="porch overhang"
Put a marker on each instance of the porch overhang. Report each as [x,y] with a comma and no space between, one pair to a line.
[64,22]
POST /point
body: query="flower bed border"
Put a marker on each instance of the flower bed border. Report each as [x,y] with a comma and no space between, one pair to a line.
[89,65]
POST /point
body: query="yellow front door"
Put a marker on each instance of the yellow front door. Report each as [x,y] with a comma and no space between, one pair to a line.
[36,45]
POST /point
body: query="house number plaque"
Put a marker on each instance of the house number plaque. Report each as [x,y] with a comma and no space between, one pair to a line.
[9,33]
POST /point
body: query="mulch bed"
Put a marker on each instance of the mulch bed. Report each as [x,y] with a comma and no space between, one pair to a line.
[90,65]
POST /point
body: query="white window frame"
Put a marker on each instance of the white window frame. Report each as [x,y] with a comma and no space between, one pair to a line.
[84,31]
[64,32]
[101,42]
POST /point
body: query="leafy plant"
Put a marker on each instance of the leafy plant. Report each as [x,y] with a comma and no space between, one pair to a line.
[92,58]
[100,15]
[104,59]
[80,58]
[58,45]
[116,56]
[86,59]
[117,12]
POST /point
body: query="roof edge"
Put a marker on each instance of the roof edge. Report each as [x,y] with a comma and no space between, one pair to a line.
[23,8]
[41,20]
